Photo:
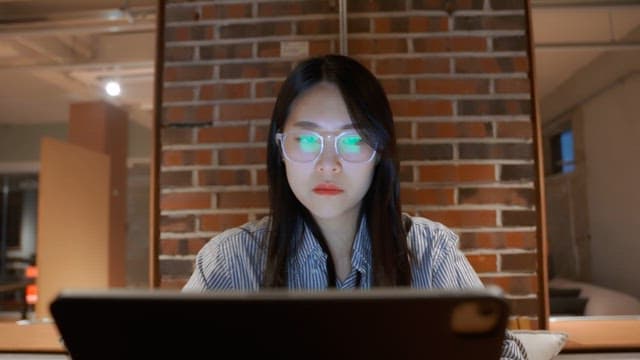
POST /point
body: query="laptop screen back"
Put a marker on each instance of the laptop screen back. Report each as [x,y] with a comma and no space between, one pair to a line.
[393,323]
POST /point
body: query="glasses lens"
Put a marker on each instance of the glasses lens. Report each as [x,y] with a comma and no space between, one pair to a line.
[302,146]
[352,147]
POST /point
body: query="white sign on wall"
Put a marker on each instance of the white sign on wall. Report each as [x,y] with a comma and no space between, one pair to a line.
[294,48]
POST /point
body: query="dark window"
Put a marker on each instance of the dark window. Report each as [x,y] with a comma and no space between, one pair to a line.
[562,152]
[13,216]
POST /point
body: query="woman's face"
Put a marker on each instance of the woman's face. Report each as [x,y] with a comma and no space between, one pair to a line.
[328,186]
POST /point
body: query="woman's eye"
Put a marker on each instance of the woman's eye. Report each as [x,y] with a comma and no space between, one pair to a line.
[308,143]
[351,143]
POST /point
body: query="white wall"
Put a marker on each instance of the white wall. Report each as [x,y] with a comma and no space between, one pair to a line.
[612,152]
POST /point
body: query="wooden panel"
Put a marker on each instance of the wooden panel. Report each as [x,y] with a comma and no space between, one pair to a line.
[599,334]
[41,337]
[102,127]
[73,221]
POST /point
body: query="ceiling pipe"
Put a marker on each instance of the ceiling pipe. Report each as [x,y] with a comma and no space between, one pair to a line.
[80,22]
[84,65]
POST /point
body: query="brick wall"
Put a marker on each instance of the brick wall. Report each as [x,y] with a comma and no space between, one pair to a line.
[457,76]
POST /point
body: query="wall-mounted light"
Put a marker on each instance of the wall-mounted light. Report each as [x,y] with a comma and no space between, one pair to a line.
[112,88]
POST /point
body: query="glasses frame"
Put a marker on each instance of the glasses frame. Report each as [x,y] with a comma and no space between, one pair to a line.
[281,136]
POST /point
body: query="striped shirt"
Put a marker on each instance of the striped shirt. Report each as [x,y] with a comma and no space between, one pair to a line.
[236,258]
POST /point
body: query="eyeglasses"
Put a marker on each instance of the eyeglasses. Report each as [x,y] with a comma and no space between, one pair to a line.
[306,146]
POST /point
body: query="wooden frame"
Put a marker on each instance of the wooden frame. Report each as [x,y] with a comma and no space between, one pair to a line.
[585,334]
[154,188]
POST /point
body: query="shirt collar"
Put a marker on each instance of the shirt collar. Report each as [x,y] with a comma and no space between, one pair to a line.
[308,246]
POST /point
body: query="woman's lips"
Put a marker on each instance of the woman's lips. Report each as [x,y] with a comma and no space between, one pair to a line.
[327,189]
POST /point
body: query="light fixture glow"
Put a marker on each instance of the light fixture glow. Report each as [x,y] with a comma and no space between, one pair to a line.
[112,88]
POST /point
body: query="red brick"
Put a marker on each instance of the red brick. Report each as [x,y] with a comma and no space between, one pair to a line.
[269,49]
[185,201]
[454,130]
[222,134]
[317,27]
[396,86]
[413,196]
[226,51]
[261,177]
[243,199]
[169,179]
[284,8]
[189,246]
[483,151]
[254,70]
[406,174]
[242,156]
[498,240]
[447,5]
[221,222]
[512,86]
[268,88]
[246,111]
[260,29]
[320,47]
[500,22]
[188,73]
[183,93]
[412,66]
[421,24]
[485,263]
[403,129]
[448,44]
[493,65]
[457,173]
[418,24]
[377,46]
[225,91]
[419,107]
[224,177]
[172,136]
[527,262]
[515,129]
[261,133]
[226,11]
[186,157]
[423,152]
[355,6]
[183,13]
[519,218]
[179,53]
[177,223]
[501,196]
[452,86]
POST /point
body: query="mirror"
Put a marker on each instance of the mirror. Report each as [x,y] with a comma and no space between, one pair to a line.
[587,81]
[54,55]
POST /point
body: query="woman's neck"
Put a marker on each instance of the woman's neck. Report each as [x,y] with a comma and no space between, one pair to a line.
[339,234]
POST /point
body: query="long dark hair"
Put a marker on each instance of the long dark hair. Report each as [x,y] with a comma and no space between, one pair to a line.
[371,115]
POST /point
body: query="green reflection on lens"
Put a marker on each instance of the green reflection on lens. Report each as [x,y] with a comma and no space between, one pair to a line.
[350,144]
[309,143]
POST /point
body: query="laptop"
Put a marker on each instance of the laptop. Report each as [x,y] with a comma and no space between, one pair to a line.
[385,323]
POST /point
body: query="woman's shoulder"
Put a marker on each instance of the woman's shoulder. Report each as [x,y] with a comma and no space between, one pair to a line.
[423,230]
[250,233]
[419,223]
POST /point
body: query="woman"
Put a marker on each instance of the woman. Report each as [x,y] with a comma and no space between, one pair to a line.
[335,218]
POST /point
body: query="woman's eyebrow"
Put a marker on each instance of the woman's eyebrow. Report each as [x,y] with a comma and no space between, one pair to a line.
[312,125]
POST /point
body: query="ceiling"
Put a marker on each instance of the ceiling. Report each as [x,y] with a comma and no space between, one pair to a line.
[56,52]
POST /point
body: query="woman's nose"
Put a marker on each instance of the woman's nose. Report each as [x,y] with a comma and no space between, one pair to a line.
[329,160]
